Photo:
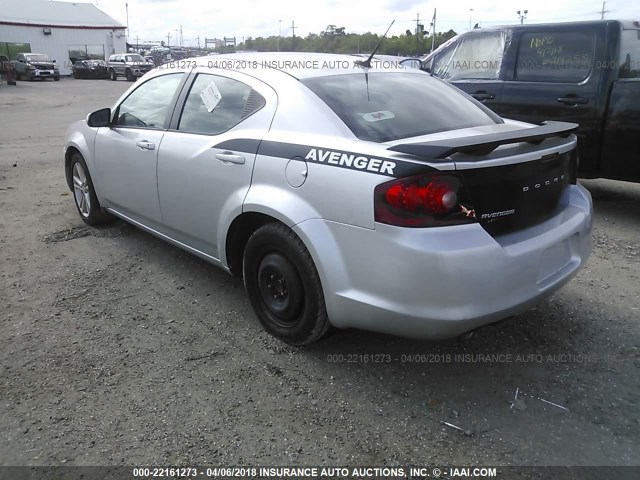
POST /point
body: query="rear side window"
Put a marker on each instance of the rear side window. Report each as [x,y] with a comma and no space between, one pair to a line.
[565,57]
[630,54]
[216,104]
[382,107]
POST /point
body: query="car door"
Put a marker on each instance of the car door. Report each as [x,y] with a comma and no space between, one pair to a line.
[206,160]
[473,63]
[555,76]
[126,153]
[619,154]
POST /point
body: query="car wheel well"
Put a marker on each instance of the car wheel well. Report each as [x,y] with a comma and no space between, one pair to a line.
[238,235]
[67,165]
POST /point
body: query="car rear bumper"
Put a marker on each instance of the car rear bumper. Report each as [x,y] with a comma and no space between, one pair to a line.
[441,282]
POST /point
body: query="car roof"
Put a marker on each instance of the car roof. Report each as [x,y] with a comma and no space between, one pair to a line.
[299,65]
[627,24]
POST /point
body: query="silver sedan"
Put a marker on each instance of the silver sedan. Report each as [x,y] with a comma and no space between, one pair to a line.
[346,192]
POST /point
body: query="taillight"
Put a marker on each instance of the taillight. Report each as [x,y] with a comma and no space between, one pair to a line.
[422,201]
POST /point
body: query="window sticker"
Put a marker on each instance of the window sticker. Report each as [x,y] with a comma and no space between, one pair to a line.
[211,96]
[377,116]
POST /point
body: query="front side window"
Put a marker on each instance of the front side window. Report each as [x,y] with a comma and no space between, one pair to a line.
[216,104]
[564,57]
[148,105]
[381,107]
[134,58]
[472,57]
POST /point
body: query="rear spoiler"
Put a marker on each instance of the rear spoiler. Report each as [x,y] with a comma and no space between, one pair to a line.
[485,144]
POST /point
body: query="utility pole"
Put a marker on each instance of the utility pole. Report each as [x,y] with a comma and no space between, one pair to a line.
[603,11]
[293,35]
[126,5]
[279,34]
[522,15]
[433,24]
[181,42]
[168,38]
[419,27]
[198,42]
[470,15]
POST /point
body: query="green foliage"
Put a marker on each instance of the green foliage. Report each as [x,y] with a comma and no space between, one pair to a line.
[335,40]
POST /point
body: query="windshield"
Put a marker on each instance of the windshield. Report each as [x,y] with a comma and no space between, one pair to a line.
[134,58]
[398,105]
[36,58]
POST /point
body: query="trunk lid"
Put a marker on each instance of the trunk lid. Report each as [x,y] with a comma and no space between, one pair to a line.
[512,179]
[507,198]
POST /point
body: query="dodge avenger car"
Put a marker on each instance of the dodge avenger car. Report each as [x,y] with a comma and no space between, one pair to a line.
[344,194]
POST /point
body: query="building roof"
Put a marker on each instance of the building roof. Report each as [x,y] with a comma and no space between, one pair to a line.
[42,13]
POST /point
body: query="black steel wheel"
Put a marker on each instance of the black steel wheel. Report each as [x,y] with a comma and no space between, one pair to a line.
[283,285]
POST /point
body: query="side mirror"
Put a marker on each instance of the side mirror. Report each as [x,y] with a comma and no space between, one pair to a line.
[411,63]
[53,61]
[100,118]
[123,61]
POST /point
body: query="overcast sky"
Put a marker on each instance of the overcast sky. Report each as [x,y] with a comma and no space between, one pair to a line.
[152,20]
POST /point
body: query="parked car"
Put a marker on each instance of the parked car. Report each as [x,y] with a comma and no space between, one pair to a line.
[35,65]
[89,68]
[582,72]
[128,65]
[381,199]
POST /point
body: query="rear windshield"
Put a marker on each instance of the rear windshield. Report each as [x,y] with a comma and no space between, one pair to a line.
[391,106]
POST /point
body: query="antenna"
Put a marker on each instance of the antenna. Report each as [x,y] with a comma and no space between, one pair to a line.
[367,63]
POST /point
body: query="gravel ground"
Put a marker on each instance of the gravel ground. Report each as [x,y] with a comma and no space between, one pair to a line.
[119,349]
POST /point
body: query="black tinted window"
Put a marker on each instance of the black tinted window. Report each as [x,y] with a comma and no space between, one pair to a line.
[148,105]
[555,57]
[630,54]
[398,105]
[236,101]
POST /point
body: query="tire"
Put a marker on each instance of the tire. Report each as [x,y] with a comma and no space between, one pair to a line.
[112,75]
[283,286]
[56,79]
[84,195]
[75,75]
[130,76]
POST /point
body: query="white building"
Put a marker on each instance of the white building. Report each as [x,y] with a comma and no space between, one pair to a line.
[62,30]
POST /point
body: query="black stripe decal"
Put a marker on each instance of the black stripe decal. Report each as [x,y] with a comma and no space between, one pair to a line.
[333,158]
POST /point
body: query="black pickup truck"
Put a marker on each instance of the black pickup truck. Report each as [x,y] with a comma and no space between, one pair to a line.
[582,72]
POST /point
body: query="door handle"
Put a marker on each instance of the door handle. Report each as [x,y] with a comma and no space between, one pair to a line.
[573,100]
[482,95]
[146,145]
[230,157]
